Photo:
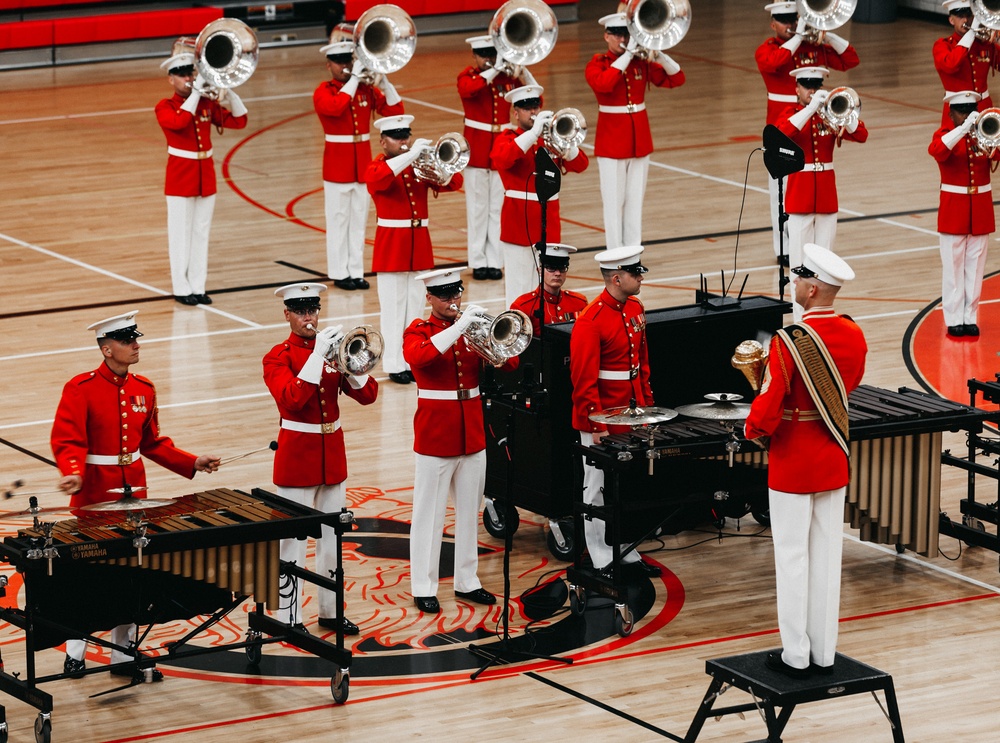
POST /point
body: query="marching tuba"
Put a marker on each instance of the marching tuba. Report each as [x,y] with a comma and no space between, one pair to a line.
[823,16]
[384,41]
[988,14]
[657,24]
[523,33]
[567,129]
[841,107]
[225,54]
[506,336]
[450,155]
[357,352]
[987,131]
[750,358]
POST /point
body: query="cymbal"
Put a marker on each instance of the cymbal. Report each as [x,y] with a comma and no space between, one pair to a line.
[629,416]
[720,410]
[127,504]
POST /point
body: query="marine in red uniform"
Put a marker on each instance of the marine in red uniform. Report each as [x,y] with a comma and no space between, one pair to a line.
[310,464]
[187,119]
[963,61]
[624,142]
[811,197]
[482,87]
[808,468]
[776,58]
[402,238]
[345,107]
[965,213]
[449,440]
[513,156]
[609,367]
[105,426]
[560,304]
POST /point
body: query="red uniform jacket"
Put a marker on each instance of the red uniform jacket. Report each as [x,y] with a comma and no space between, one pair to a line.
[185,176]
[484,102]
[969,213]
[965,69]
[104,414]
[810,191]
[445,428]
[803,456]
[625,135]
[775,64]
[520,219]
[346,162]
[609,336]
[560,307]
[307,459]
[402,197]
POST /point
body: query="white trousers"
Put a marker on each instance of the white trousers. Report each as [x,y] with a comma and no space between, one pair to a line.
[483,199]
[328,499]
[594,529]
[808,228]
[189,222]
[807,530]
[520,273]
[963,261]
[123,634]
[346,218]
[623,188]
[464,478]
[401,300]
[772,190]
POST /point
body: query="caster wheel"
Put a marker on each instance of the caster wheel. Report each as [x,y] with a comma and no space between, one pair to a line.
[624,622]
[255,651]
[3,732]
[762,517]
[340,687]
[973,523]
[567,551]
[577,600]
[43,729]
[498,527]
[900,549]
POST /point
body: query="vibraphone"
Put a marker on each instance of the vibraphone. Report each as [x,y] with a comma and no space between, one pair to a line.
[201,555]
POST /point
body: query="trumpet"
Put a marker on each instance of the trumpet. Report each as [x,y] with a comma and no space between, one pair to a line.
[988,14]
[506,336]
[385,38]
[829,15]
[841,107]
[657,24]
[523,33]
[358,351]
[449,156]
[225,54]
[750,358]
[567,129]
[987,131]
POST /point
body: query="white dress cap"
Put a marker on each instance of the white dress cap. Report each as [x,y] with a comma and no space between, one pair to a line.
[951,5]
[300,291]
[624,257]
[557,250]
[120,327]
[962,96]
[441,276]
[810,72]
[827,265]
[781,8]
[181,54]
[613,20]
[525,91]
[389,123]
[480,42]
[338,47]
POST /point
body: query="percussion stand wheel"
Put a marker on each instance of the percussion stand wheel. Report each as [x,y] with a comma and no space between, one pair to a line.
[340,685]
[624,621]
[254,651]
[973,523]
[3,732]
[43,728]
[567,550]
[495,522]
[762,517]
[577,600]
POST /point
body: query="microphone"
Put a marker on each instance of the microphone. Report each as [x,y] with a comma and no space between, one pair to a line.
[548,178]
[781,155]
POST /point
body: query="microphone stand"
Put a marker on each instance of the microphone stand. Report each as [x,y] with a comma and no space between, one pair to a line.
[783,279]
[548,180]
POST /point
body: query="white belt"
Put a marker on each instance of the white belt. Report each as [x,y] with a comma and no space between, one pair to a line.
[310,427]
[525,196]
[630,108]
[984,94]
[114,459]
[782,98]
[484,127]
[818,167]
[448,394]
[948,188]
[618,376]
[401,222]
[347,138]
[189,154]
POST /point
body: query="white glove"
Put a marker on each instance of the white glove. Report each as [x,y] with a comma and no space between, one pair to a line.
[489,74]
[839,43]
[541,119]
[399,163]
[798,120]
[447,337]
[572,153]
[967,39]
[669,65]
[852,122]
[191,102]
[327,339]
[970,120]
[623,61]
[471,315]
[818,99]
[976,24]
[236,106]
[525,140]
[800,27]
[526,77]
[351,86]
[357,68]
[793,44]
[357,383]
[391,96]
[312,370]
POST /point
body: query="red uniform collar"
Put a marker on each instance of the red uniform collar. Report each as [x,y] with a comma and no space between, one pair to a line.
[611,302]
[818,312]
[552,298]
[105,372]
[300,342]
[439,323]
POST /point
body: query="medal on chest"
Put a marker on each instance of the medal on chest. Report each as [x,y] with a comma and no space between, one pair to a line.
[138,403]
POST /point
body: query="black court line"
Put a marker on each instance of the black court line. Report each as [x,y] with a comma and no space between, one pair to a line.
[605,707]
[30,453]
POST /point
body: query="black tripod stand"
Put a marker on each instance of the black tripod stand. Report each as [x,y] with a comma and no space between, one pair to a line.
[782,157]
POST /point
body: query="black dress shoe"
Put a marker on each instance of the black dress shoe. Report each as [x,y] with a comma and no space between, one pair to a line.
[403,377]
[190,300]
[481,274]
[73,667]
[138,675]
[821,670]
[775,663]
[350,628]
[362,284]
[203,298]
[956,330]
[971,330]
[479,596]
[494,274]
[345,284]
[427,604]
[642,568]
